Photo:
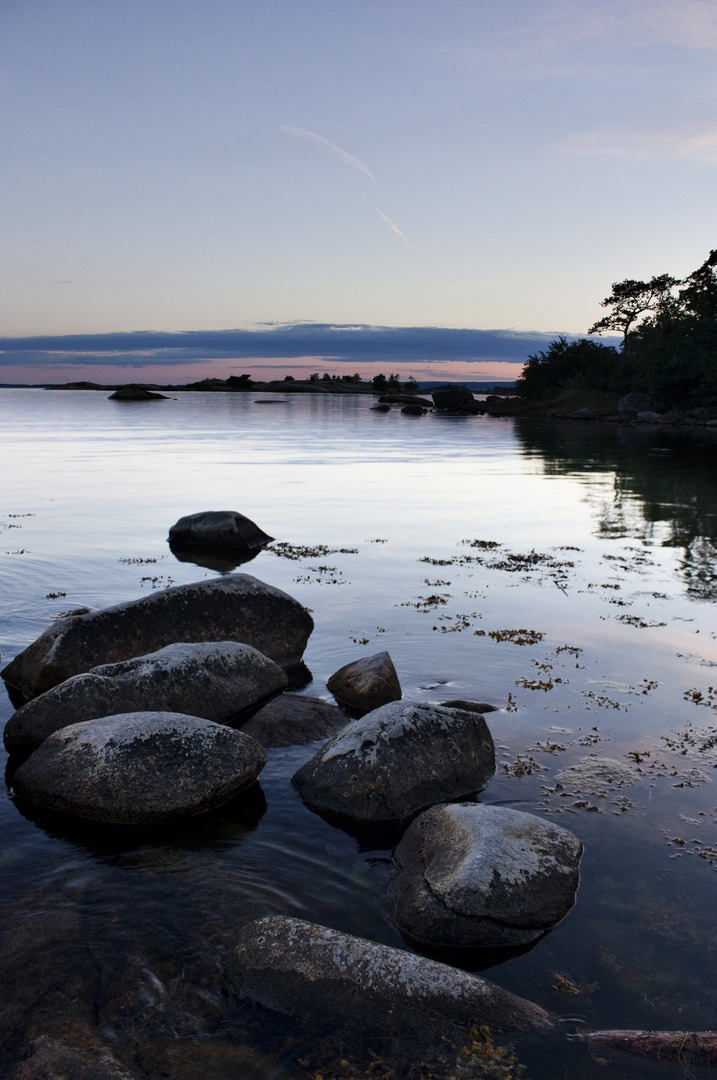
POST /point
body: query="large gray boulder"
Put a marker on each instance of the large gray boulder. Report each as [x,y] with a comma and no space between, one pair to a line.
[218,680]
[321,975]
[474,876]
[140,768]
[384,768]
[366,684]
[236,607]
[225,529]
[294,719]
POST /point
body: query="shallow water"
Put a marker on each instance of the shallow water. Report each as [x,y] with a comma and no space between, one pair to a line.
[606,540]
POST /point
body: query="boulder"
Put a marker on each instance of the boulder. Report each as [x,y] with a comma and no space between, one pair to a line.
[223,529]
[136,393]
[380,408]
[474,876]
[470,706]
[217,680]
[634,403]
[236,607]
[294,719]
[413,410]
[316,974]
[452,397]
[366,684]
[140,768]
[647,416]
[385,768]
[581,414]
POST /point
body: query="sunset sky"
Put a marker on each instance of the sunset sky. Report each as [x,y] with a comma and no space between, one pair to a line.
[196,166]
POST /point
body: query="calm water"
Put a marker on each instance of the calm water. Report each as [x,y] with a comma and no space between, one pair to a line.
[606,542]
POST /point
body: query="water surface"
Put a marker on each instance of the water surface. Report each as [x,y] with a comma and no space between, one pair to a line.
[600,541]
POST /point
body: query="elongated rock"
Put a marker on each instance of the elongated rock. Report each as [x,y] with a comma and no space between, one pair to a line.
[396,761]
[236,607]
[219,681]
[141,768]
[321,975]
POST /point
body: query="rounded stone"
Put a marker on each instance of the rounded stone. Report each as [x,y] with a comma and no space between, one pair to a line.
[140,768]
[389,765]
[473,876]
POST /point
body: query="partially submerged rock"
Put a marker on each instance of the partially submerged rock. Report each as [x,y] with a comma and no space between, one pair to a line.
[321,975]
[236,607]
[140,768]
[223,529]
[220,681]
[452,397]
[136,393]
[474,876]
[366,684]
[294,719]
[394,762]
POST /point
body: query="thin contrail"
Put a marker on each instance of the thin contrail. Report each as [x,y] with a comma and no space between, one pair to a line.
[324,144]
[394,226]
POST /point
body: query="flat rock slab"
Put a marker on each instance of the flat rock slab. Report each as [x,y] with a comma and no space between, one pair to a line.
[474,876]
[294,719]
[236,607]
[140,768]
[321,975]
[389,765]
[366,684]
[225,529]
[217,680]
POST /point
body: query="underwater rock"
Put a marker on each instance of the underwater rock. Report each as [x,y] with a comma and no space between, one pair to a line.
[51,1059]
[294,719]
[225,529]
[389,765]
[236,607]
[366,684]
[475,876]
[217,680]
[321,975]
[140,768]
[594,773]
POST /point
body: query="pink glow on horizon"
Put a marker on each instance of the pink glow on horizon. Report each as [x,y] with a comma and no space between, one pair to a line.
[260,370]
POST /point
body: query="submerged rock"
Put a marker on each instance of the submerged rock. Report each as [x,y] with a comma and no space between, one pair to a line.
[236,607]
[366,684]
[140,768]
[294,719]
[595,772]
[217,680]
[474,876]
[224,529]
[321,975]
[396,761]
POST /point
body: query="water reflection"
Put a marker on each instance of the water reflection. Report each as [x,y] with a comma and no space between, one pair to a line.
[664,486]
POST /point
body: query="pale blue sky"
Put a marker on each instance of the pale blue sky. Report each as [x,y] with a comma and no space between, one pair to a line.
[211,164]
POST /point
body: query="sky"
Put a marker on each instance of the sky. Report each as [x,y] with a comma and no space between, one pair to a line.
[334,176]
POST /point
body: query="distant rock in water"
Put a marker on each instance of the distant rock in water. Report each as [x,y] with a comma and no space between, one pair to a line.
[225,530]
[366,684]
[452,397]
[474,876]
[236,607]
[219,681]
[136,393]
[141,768]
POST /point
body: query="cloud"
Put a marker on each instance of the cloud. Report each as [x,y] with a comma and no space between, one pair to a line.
[324,144]
[339,343]
[392,225]
[697,147]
